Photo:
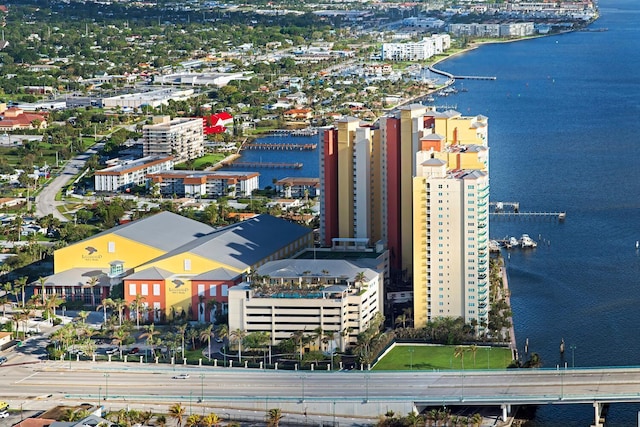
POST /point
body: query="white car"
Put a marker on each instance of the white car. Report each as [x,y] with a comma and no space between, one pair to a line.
[181,377]
[4,414]
[111,350]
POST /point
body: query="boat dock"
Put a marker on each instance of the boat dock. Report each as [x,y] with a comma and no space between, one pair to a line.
[511,210]
[475,77]
[295,132]
[270,165]
[276,146]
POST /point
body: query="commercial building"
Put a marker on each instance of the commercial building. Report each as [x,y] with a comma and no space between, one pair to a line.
[372,177]
[153,98]
[131,173]
[290,296]
[172,265]
[182,138]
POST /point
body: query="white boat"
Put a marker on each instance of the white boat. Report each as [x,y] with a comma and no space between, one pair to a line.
[513,242]
[527,242]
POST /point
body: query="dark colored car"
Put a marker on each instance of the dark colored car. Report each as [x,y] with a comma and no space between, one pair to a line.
[134,350]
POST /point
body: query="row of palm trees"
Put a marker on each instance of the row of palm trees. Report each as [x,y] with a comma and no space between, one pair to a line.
[179,414]
[433,417]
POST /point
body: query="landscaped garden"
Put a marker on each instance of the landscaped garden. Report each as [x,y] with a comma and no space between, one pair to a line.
[444,357]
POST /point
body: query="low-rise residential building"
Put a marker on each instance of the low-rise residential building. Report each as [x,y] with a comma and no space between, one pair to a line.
[290,296]
[130,174]
[298,187]
[205,184]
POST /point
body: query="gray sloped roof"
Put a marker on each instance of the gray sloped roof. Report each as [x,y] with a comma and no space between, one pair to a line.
[76,277]
[288,268]
[152,273]
[218,274]
[243,244]
[164,231]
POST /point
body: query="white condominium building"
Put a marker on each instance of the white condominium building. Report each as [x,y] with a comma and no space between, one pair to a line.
[182,138]
[416,51]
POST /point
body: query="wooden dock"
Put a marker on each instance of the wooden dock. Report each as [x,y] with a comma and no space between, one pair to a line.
[269,165]
[276,146]
[474,77]
[560,216]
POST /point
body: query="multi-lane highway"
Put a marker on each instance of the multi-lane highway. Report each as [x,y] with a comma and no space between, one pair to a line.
[348,393]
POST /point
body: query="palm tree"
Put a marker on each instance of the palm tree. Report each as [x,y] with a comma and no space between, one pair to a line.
[41,281]
[182,330]
[136,305]
[274,416]
[459,352]
[318,334]
[21,283]
[83,316]
[177,411]
[119,337]
[91,284]
[106,303]
[473,349]
[119,304]
[401,319]
[210,420]
[237,336]
[150,336]
[299,338]
[192,334]
[360,277]
[4,301]
[192,420]
[9,289]
[161,421]
[205,335]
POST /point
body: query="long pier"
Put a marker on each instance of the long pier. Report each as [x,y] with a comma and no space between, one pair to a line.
[276,146]
[270,165]
[474,77]
[511,210]
[561,216]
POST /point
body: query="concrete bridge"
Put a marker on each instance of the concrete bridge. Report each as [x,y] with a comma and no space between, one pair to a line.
[350,393]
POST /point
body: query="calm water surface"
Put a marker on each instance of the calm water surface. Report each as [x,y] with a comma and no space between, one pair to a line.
[562,135]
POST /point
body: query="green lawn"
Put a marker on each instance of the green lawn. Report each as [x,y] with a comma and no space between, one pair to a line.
[429,357]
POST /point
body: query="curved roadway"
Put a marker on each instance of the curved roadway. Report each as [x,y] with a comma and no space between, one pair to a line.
[46,200]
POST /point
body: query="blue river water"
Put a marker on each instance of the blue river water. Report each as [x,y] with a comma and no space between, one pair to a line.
[562,113]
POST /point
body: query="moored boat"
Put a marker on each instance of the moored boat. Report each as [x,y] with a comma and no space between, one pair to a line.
[527,242]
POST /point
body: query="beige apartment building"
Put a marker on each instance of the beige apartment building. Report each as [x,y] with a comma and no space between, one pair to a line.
[182,138]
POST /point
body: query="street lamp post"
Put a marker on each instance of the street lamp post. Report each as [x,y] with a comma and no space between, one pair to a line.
[488,357]
[106,386]
[99,394]
[366,387]
[573,358]
[302,377]
[201,387]
[190,397]
[411,349]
